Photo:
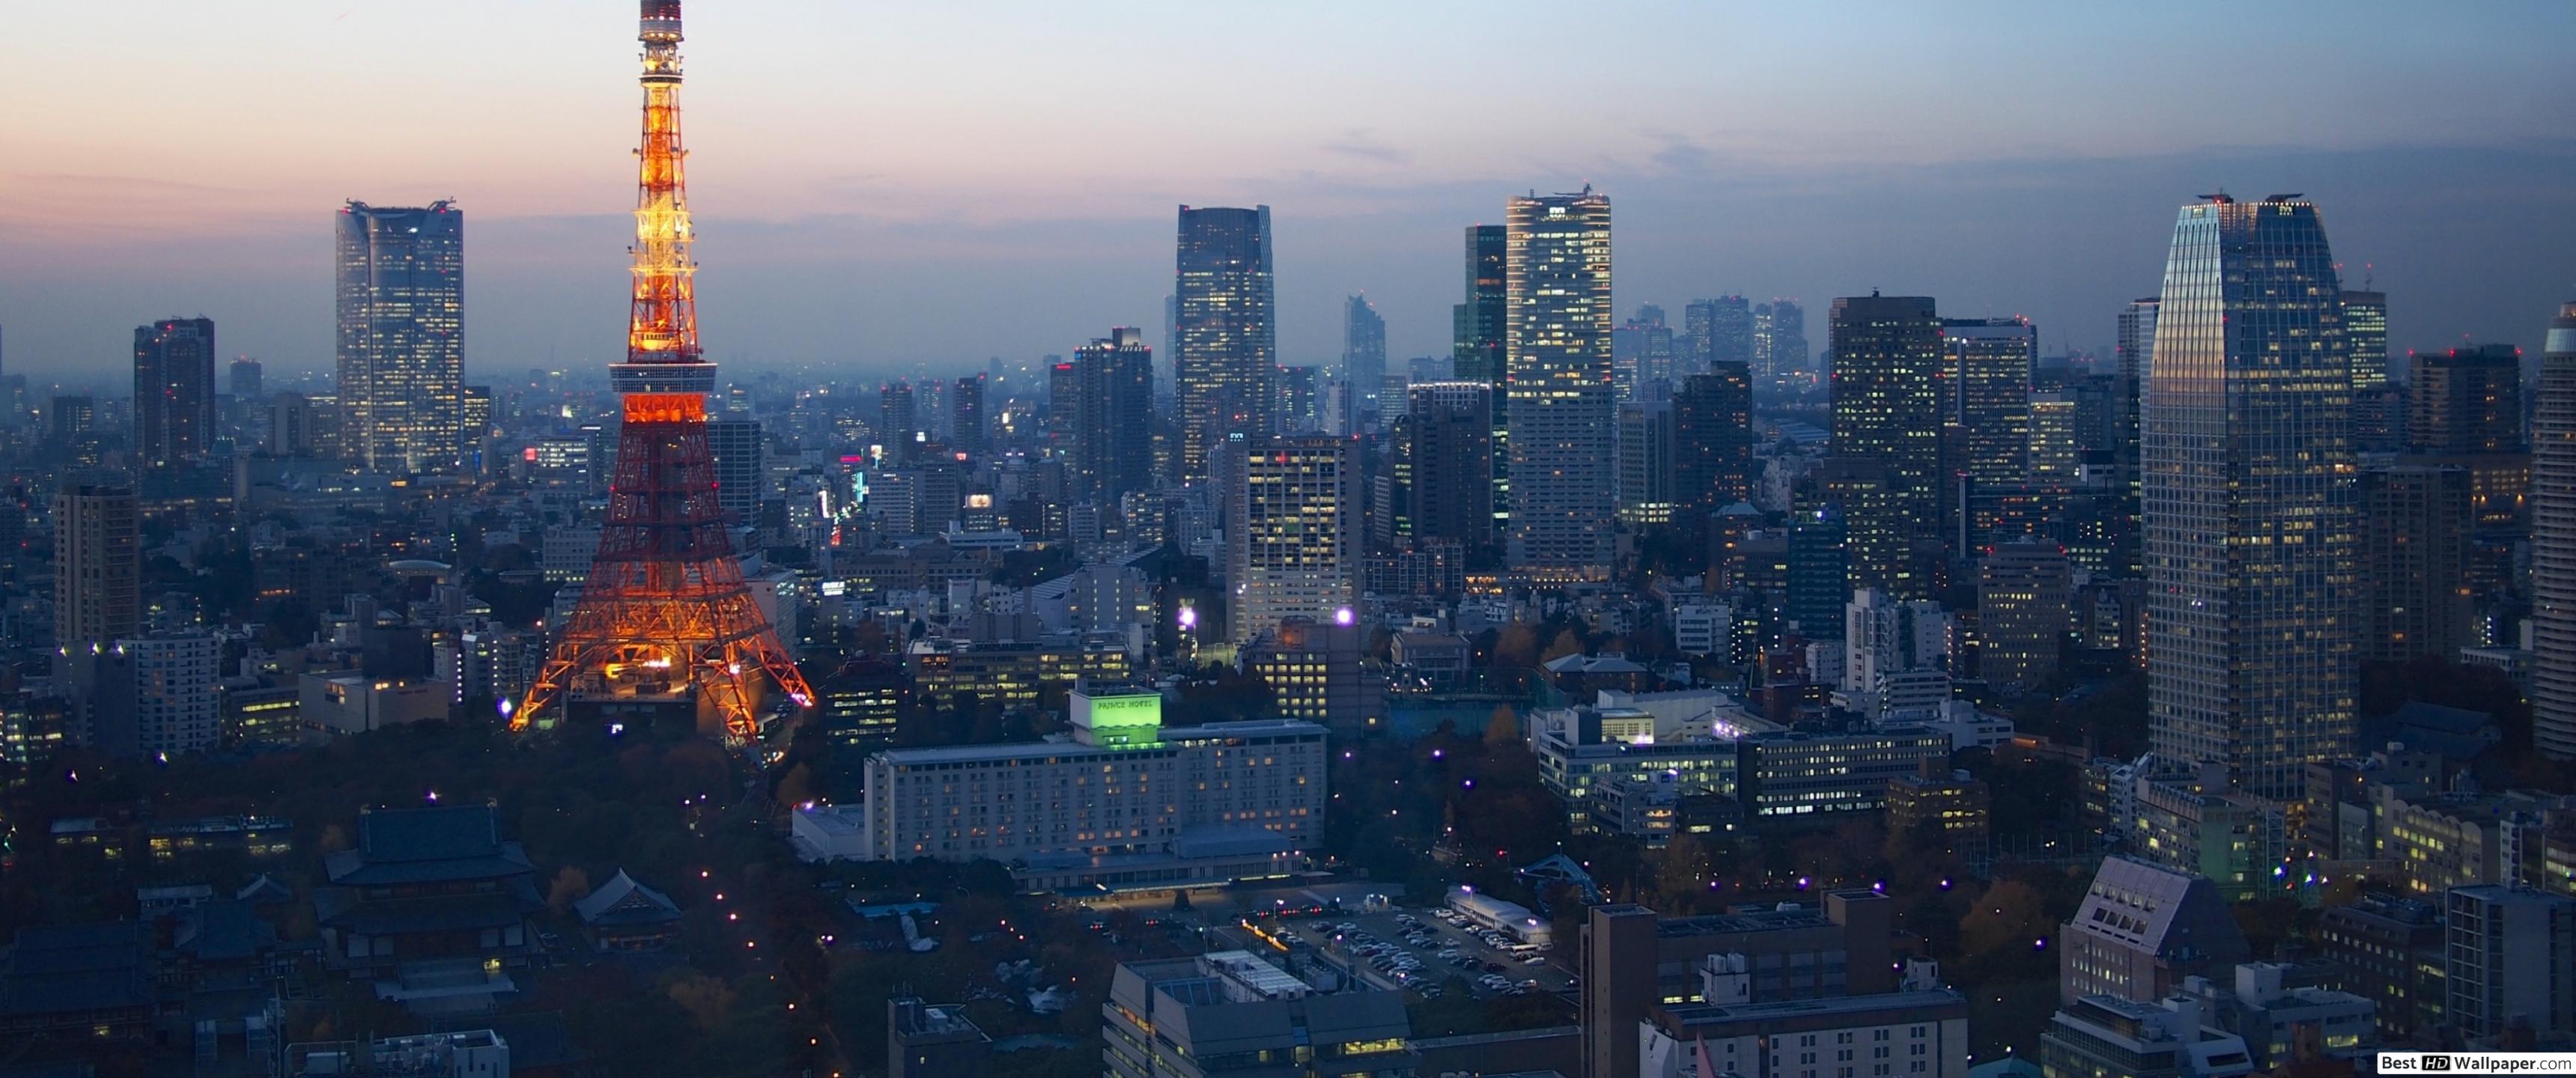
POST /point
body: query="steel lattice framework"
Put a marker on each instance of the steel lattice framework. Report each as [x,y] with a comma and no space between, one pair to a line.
[665,608]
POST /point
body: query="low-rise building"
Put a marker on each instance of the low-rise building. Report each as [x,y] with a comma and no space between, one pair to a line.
[1321,674]
[350,703]
[1437,658]
[2109,1035]
[1787,774]
[423,887]
[623,915]
[1920,1031]
[2142,930]
[1953,812]
[1583,749]
[2393,952]
[1012,675]
[2512,957]
[1231,1011]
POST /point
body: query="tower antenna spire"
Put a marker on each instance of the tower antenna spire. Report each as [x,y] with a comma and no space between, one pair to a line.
[664,615]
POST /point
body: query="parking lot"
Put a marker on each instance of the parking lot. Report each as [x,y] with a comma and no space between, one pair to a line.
[1414,949]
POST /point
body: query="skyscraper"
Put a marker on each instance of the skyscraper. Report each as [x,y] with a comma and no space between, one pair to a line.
[966,418]
[1364,358]
[98,564]
[402,335]
[1113,443]
[2137,338]
[2023,612]
[1985,419]
[735,444]
[1641,354]
[242,378]
[1779,341]
[2465,400]
[1450,432]
[2249,498]
[1646,462]
[2365,335]
[2414,557]
[1713,440]
[1886,447]
[898,420]
[2553,543]
[1561,407]
[1226,341]
[1717,331]
[1292,543]
[1480,326]
[174,390]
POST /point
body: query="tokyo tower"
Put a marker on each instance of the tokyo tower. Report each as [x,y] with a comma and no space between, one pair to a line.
[665,613]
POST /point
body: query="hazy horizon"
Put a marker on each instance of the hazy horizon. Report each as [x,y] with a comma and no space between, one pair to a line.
[916,208]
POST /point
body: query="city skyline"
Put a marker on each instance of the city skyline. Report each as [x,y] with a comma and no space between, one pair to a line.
[904,231]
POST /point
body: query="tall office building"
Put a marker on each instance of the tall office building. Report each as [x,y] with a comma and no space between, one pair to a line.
[1886,448]
[2249,499]
[1364,358]
[2510,952]
[242,378]
[1479,326]
[1113,414]
[1985,420]
[1646,462]
[98,564]
[1450,442]
[1779,340]
[2024,609]
[734,441]
[174,391]
[1561,408]
[1717,331]
[2553,543]
[967,420]
[1292,543]
[1300,392]
[898,419]
[72,429]
[402,336]
[2365,336]
[1641,355]
[1227,336]
[2414,542]
[1713,440]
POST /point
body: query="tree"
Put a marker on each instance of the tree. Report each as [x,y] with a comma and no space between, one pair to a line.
[571,885]
[1502,728]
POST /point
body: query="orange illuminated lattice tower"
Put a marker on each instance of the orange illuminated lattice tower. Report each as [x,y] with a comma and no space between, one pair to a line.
[665,611]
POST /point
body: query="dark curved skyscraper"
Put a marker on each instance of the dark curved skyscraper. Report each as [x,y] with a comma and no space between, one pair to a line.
[2553,543]
[1225,334]
[2249,488]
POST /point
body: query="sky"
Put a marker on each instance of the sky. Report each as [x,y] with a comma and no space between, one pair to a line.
[894,189]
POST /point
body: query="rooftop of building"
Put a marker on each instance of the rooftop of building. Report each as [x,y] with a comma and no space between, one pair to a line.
[1703,1014]
[425,845]
[1039,750]
[75,968]
[2137,904]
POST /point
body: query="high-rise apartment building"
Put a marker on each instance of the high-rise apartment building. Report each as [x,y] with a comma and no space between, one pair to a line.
[1713,439]
[2365,337]
[174,391]
[98,564]
[1985,419]
[2465,400]
[1226,341]
[1364,358]
[1113,417]
[1450,437]
[401,301]
[2250,542]
[967,421]
[1292,543]
[2553,543]
[1884,462]
[1561,408]
[1646,462]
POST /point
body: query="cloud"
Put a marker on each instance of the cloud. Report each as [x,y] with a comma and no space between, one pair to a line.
[1365,145]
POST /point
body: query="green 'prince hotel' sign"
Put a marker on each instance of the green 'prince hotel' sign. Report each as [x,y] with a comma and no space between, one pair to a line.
[1126,722]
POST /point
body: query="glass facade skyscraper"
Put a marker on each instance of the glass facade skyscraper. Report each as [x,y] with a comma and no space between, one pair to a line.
[2365,334]
[1364,360]
[402,336]
[2249,499]
[2553,543]
[1112,417]
[1476,355]
[1985,420]
[1225,341]
[1561,408]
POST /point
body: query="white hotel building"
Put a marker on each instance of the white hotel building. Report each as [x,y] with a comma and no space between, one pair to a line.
[1124,802]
